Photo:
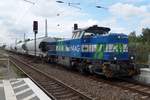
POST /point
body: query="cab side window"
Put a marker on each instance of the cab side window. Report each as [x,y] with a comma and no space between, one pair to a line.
[87,35]
[77,35]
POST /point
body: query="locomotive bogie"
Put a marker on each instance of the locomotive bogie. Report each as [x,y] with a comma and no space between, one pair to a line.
[63,60]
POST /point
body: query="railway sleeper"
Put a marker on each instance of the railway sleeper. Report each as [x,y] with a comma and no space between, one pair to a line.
[58,90]
[53,83]
[67,96]
[56,87]
[62,92]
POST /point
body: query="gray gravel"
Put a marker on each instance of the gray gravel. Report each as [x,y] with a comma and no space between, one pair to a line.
[5,71]
[97,90]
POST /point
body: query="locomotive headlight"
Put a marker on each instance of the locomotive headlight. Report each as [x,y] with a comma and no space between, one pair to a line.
[115,58]
[119,37]
[131,57]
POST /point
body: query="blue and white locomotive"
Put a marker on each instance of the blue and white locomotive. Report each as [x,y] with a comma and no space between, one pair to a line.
[95,50]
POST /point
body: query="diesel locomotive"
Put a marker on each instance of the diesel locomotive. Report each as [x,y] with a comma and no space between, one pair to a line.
[94,50]
[90,50]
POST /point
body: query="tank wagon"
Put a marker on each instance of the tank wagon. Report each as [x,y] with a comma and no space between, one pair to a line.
[41,46]
[95,50]
[13,47]
[19,48]
[28,47]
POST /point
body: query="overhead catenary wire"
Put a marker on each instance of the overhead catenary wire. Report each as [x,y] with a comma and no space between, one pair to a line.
[26,11]
[97,3]
[29,1]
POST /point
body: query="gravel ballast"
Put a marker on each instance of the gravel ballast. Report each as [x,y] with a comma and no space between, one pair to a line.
[93,88]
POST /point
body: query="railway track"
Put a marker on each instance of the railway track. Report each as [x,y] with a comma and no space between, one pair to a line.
[56,89]
[138,88]
[128,86]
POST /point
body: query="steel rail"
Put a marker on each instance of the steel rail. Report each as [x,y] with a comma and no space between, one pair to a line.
[126,85]
[50,77]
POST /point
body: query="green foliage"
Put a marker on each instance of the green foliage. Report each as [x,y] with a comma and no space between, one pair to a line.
[146,34]
[132,37]
[140,45]
[143,38]
[142,52]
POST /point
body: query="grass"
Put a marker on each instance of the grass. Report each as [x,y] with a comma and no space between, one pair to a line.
[19,73]
[1,76]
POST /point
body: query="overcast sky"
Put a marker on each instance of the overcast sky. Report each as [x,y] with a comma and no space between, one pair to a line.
[122,16]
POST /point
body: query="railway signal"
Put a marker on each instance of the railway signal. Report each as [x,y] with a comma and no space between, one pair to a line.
[35,30]
[35,26]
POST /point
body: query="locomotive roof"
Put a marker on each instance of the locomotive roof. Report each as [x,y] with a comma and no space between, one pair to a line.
[111,35]
[94,29]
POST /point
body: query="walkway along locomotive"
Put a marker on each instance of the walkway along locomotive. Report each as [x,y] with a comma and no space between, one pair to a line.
[94,50]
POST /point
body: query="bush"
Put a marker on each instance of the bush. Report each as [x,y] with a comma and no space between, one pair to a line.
[141,52]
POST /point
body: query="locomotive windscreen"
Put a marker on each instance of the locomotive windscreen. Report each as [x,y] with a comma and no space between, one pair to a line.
[43,46]
[97,30]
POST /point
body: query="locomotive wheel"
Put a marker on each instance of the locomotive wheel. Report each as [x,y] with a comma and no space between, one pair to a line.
[107,72]
[131,72]
[81,69]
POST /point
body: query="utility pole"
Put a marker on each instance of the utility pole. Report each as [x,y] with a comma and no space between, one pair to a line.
[35,43]
[16,42]
[24,47]
[24,37]
[46,35]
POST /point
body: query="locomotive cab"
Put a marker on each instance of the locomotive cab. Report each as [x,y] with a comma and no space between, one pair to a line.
[89,31]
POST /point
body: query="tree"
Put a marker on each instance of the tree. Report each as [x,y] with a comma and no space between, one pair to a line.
[146,34]
[132,34]
[132,37]
[140,45]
